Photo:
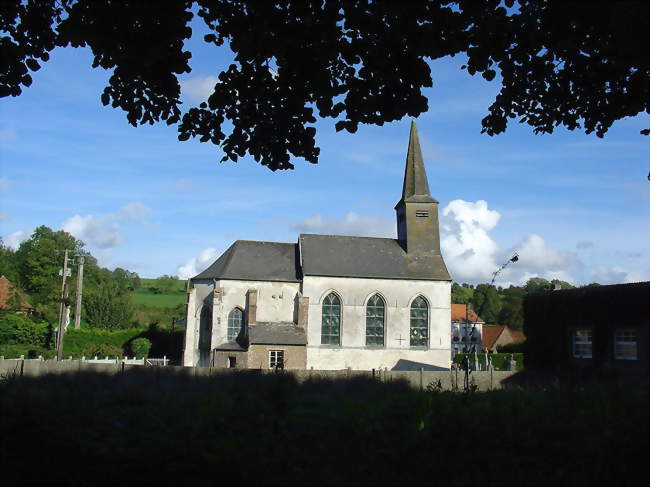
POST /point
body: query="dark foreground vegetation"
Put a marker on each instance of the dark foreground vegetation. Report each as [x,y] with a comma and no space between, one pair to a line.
[152,427]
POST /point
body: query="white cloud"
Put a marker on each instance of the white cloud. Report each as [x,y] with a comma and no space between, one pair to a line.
[618,275]
[473,256]
[4,217]
[199,88]
[197,264]
[466,244]
[4,184]
[536,256]
[104,231]
[351,224]
[13,241]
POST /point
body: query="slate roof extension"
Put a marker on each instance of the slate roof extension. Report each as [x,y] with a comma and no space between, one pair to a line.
[248,260]
[276,334]
[369,257]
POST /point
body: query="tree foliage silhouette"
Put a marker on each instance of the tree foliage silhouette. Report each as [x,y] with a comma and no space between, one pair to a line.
[582,64]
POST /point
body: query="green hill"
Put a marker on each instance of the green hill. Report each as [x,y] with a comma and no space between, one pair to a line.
[148,294]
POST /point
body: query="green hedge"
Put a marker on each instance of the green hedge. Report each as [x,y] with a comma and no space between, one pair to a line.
[21,336]
[20,330]
[498,359]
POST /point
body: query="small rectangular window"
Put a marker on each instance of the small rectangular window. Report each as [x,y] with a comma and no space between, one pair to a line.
[625,345]
[232,362]
[422,214]
[582,343]
[276,359]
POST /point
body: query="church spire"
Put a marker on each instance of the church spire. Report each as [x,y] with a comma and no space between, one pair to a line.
[416,186]
[417,211]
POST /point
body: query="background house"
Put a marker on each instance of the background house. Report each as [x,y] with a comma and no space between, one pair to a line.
[588,328]
[495,335]
[466,329]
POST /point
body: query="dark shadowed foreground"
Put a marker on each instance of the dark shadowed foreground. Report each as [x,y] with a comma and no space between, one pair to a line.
[161,428]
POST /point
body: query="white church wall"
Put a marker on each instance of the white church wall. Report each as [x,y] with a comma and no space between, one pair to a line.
[200,295]
[397,294]
[275,303]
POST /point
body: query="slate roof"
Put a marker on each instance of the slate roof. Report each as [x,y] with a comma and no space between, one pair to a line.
[248,260]
[459,313]
[276,334]
[383,258]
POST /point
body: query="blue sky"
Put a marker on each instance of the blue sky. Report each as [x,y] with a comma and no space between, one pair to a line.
[575,207]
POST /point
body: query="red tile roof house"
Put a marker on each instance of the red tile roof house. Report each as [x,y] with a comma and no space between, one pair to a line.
[466,329]
[500,335]
[7,291]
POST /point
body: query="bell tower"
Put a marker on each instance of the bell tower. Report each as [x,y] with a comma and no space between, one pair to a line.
[417,212]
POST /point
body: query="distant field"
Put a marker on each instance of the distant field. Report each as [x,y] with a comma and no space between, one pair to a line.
[144,296]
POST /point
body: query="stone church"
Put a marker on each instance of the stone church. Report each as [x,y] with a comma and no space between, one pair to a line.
[329,301]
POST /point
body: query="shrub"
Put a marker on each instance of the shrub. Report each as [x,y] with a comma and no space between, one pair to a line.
[140,347]
[498,359]
[517,347]
[102,350]
[17,329]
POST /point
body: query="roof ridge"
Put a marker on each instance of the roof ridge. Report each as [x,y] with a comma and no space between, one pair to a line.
[264,241]
[347,236]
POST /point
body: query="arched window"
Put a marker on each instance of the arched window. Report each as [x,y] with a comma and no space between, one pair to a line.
[419,322]
[235,318]
[375,313]
[331,324]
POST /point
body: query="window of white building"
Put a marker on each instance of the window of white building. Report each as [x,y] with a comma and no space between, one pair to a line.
[331,322]
[582,343]
[375,316]
[625,345]
[235,318]
[276,359]
[419,322]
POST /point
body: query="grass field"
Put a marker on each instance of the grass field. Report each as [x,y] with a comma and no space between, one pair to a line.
[157,428]
[146,297]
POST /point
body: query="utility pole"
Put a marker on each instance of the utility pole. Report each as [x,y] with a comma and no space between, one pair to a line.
[80,280]
[63,307]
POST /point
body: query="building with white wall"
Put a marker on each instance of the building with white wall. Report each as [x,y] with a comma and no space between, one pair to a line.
[327,301]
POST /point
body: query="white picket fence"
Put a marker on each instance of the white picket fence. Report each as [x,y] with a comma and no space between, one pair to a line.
[108,360]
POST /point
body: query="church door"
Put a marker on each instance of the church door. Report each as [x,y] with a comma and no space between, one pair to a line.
[205,336]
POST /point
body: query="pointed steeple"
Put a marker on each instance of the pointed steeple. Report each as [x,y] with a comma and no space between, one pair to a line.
[416,186]
[417,211]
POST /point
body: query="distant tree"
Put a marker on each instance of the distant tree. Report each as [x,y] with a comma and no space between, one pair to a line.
[574,64]
[512,312]
[562,284]
[537,284]
[108,308]
[164,284]
[8,263]
[461,294]
[126,280]
[486,302]
[592,284]
[38,261]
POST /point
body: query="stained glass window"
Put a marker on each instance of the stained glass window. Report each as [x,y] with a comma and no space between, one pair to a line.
[234,324]
[331,324]
[375,314]
[419,322]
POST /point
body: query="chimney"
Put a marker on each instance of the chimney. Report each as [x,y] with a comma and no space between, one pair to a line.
[251,307]
[303,311]
[557,286]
